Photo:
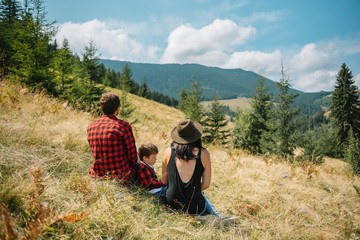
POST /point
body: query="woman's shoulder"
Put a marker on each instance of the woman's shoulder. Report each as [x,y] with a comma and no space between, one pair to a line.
[205,152]
[205,156]
[167,154]
[167,151]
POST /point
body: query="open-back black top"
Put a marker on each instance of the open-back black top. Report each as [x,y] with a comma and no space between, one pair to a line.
[186,197]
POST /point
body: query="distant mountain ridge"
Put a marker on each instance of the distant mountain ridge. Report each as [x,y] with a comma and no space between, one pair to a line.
[169,79]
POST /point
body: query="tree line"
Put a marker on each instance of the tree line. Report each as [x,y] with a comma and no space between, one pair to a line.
[28,51]
[29,54]
[274,126]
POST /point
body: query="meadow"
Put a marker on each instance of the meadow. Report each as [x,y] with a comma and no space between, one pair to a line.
[235,105]
[46,192]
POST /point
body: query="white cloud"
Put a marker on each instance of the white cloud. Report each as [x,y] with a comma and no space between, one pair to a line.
[311,58]
[186,43]
[312,69]
[112,40]
[267,64]
[357,80]
[317,81]
[315,67]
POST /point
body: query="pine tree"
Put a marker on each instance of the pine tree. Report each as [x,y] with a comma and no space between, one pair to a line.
[241,130]
[259,117]
[86,96]
[352,151]
[90,61]
[312,151]
[215,124]
[63,70]
[194,100]
[9,11]
[9,15]
[345,108]
[31,57]
[144,90]
[190,102]
[326,139]
[72,82]
[107,80]
[127,82]
[281,137]
[183,100]
[126,109]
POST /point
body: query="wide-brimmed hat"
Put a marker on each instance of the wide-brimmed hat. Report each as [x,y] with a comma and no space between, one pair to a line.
[186,132]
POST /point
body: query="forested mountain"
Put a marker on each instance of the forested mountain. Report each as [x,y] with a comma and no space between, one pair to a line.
[169,79]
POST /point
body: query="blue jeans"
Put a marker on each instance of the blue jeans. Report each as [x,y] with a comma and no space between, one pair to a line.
[159,192]
[209,208]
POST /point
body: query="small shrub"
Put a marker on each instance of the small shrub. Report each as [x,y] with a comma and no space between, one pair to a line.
[352,151]
[311,151]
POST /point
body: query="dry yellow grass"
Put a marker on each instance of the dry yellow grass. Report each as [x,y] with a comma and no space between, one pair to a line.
[235,105]
[44,159]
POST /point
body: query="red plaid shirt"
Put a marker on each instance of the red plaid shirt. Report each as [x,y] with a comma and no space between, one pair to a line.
[147,177]
[113,147]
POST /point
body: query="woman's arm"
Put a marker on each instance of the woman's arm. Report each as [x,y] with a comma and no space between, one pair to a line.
[206,178]
[165,162]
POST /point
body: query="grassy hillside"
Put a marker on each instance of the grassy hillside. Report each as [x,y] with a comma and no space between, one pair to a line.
[46,193]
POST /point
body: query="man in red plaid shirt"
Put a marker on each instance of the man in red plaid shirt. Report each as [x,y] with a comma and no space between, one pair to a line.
[112,143]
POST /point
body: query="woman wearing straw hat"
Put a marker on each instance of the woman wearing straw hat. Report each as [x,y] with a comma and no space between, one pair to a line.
[186,170]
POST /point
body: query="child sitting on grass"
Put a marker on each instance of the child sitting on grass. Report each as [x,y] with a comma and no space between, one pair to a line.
[147,176]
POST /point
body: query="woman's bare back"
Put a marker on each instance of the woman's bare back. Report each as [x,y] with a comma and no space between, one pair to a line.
[185,169]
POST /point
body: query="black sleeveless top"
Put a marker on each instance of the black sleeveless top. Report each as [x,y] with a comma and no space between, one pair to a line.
[186,197]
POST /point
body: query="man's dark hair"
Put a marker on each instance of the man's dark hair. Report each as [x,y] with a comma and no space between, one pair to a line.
[185,151]
[146,150]
[109,103]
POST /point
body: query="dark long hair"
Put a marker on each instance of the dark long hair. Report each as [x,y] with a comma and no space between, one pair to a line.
[185,151]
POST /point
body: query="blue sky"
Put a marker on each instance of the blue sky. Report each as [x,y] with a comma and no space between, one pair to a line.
[311,38]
